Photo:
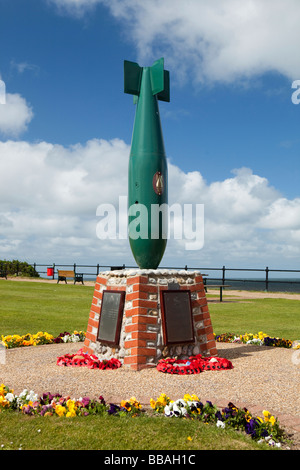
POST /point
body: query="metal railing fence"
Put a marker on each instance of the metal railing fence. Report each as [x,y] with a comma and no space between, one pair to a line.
[265,280]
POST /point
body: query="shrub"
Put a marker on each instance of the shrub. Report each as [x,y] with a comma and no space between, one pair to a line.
[18,268]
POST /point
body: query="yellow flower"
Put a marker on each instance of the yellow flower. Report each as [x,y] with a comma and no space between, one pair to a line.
[272,420]
[3,401]
[192,397]
[163,399]
[189,438]
[70,403]
[134,402]
[267,415]
[125,404]
[152,403]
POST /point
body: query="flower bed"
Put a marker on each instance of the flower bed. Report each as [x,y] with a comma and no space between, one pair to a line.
[260,338]
[193,365]
[16,341]
[261,429]
[48,404]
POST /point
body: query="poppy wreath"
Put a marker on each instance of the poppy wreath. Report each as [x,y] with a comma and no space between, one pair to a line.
[193,365]
[81,359]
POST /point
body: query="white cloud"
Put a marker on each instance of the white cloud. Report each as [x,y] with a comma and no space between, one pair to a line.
[283,214]
[210,41]
[21,67]
[74,7]
[15,115]
[49,196]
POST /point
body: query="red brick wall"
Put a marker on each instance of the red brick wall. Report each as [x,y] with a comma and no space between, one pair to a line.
[142,317]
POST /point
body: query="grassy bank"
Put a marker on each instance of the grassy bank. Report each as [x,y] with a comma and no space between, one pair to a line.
[276,317]
[111,433]
[28,307]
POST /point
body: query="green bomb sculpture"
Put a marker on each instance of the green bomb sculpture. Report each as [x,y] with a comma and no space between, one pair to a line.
[148,172]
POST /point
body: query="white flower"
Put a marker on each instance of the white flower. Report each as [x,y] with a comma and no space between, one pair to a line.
[220,424]
[181,403]
[74,338]
[193,405]
[184,411]
[32,396]
[255,341]
[168,411]
[176,410]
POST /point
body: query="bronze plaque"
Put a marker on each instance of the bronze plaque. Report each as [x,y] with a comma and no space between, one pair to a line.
[177,316]
[111,317]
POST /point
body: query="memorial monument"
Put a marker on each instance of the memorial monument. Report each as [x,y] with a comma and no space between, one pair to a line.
[142,315]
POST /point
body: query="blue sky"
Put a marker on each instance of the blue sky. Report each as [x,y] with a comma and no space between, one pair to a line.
[231,130]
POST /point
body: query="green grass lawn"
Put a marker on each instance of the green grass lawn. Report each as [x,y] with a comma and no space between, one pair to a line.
[116,433]
[276,317]
[29,307]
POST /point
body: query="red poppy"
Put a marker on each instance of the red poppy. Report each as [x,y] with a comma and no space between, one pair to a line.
[81,359]
[193,365]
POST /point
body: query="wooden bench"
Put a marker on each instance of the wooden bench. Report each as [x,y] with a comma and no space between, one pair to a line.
[64,275]
[221,287]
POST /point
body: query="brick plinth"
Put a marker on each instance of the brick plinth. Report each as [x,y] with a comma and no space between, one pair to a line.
[142,341]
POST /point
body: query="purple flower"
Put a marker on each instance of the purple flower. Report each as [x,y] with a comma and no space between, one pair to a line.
[46,398]
[46,408]
[113,409]
[251,427]
[85,401]
[101,399]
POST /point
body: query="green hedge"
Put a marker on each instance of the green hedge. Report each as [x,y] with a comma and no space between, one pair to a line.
[17,268]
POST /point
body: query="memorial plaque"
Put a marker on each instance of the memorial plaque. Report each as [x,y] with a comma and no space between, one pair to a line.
[111,317]
[177,319]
